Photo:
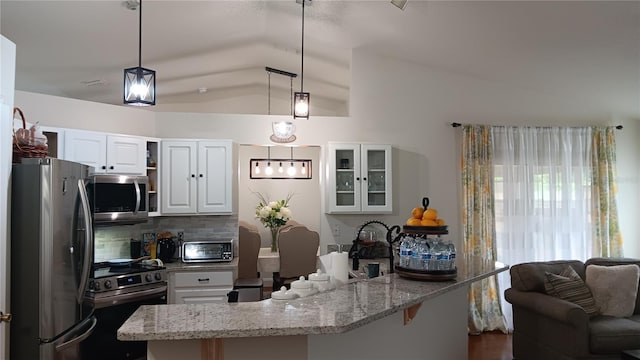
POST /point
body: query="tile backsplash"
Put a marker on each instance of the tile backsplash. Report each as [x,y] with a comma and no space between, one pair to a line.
[112,242]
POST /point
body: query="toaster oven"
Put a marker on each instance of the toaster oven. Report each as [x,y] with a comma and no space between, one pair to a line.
[207,251]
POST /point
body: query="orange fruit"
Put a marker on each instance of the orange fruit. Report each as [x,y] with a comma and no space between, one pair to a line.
[414,222]
[440,222]
[430,214]
[417,212]
[428,222]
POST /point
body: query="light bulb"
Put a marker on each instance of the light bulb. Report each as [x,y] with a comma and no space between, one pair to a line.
[291,171]
[303,170]
[280,168]
[269,170]
[139,89]
[302,107]
[257,169]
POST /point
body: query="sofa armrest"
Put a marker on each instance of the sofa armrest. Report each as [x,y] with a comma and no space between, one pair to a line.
[549,306]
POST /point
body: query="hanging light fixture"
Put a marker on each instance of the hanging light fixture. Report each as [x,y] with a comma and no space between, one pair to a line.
[291,171]
[301,98]
[139,83]
[283,131]
[298,169]
[269,170]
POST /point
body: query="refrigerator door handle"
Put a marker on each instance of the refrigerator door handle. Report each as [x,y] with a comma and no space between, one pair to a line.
[138,197]
[76,339]
[88,248]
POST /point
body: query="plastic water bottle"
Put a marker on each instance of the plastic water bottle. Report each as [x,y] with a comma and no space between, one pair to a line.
[452,256]
[405,251]
[416,261]
[425,254]
[441,254]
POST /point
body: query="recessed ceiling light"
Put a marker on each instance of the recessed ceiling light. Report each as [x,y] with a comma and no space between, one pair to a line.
[202,90]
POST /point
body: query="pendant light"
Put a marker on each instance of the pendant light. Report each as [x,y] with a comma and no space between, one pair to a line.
[269,170]
[292,170]
[283,131]
[301,98]
[139,83]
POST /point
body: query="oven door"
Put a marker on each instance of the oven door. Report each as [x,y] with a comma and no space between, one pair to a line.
[111,312]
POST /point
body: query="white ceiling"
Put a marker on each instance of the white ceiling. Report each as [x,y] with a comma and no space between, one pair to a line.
[586,47]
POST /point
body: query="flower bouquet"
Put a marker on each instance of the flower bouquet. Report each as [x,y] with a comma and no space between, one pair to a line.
[273,215]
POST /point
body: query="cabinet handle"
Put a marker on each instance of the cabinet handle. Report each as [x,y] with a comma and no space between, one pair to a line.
[365,179]
[111,167]
[358,179]
[103,167]
[201,175]
[193,175]
[202,280]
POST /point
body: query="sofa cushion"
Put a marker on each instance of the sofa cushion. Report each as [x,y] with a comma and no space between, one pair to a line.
[617,261]
[614,288]
[568,285]
[530,276]
[608,334]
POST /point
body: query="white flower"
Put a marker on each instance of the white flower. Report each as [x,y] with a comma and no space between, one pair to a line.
[265,212]
[273,204]
[286,213]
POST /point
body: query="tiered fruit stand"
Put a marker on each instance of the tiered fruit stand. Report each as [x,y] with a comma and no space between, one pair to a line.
[419,274]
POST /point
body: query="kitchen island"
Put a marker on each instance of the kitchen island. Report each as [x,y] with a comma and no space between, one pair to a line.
[388,317]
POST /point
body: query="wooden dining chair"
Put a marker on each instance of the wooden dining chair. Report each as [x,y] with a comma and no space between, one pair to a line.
[248,249]
[298,249]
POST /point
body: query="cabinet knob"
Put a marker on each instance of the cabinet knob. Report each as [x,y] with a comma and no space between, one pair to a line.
[193,175]
[358,179]
[365,179]
[201,175]
[103,167]
[111,167]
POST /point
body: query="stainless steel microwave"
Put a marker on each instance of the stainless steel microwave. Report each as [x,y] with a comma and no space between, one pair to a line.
[119,199]
[207,251]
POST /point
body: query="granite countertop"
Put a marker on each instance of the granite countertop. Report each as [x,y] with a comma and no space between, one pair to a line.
[178,265]
[348,307]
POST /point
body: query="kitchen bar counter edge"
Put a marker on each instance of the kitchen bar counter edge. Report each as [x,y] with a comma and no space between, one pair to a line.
[350,306]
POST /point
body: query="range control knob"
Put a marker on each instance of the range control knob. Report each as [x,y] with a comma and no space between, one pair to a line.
[95,286]
[158,276]
[107,284]
[148,278]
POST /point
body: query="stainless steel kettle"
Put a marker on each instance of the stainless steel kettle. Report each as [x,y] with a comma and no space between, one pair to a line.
[165,250]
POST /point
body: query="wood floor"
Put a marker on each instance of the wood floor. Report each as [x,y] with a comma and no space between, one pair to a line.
[490,346]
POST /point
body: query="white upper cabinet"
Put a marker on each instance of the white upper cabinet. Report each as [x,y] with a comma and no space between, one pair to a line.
[196,176]
[359,179]
[115,154]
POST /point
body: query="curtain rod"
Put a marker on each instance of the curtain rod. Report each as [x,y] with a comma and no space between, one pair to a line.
[455,125]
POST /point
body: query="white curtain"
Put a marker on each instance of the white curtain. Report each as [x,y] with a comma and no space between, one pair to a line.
[542,184]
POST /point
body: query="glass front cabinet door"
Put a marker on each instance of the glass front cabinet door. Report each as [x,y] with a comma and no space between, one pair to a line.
[359,179]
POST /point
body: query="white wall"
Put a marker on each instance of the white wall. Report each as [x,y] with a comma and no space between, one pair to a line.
[411,106]
[71,113]
[7,81]
[404,104]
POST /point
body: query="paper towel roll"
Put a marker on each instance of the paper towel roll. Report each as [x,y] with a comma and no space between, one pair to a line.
[340,266]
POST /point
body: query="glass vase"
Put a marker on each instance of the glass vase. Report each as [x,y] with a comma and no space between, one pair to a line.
[274,240]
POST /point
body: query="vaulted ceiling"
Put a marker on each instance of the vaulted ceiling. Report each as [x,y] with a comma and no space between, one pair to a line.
[78,49]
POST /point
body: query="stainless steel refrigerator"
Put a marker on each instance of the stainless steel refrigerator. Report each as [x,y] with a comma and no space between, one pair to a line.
[51,257]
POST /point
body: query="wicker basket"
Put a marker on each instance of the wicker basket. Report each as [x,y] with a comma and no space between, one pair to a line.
[25,145]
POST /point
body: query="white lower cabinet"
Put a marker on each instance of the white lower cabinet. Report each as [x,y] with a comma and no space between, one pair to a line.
[195,287]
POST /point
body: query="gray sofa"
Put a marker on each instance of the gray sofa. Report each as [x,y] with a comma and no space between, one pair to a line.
[546,327]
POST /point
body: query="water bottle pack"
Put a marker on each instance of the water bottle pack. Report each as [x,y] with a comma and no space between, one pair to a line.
[427,253]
